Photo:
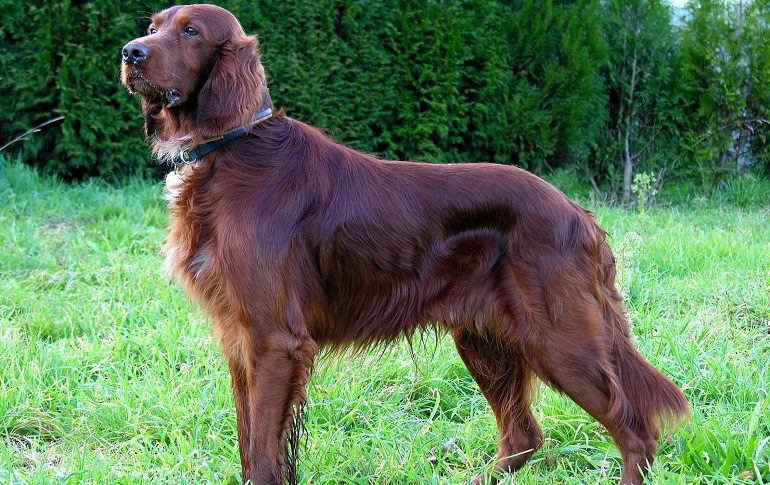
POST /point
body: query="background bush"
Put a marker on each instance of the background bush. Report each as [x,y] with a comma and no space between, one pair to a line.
[539,84]
[62,58]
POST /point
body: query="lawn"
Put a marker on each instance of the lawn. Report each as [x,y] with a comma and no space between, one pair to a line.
[109,375]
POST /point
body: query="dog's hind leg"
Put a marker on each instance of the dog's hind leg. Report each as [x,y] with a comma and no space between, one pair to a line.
[506,381]
[568,350]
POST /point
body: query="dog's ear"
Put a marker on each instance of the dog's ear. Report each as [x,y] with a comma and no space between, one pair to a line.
[233,92]
[152,118]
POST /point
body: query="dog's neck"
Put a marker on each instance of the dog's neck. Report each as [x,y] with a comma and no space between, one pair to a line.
[211,144]
[184,146]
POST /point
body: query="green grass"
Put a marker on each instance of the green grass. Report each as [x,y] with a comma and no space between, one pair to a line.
[109,375]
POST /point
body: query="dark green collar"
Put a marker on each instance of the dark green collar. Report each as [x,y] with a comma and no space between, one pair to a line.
[208,146]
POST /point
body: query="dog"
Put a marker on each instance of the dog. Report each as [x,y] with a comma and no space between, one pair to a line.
[293,243]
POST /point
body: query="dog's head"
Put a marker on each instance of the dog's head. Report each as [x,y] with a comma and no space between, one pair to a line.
[197,67]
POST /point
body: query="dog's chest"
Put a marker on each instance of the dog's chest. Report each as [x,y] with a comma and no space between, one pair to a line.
[174,247]
[172,188]
[188,255]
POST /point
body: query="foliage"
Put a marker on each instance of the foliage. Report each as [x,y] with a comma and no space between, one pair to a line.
[449,77]
[552,99]
[440,81]
[405,79]
[757,115]
[644,189]
[643,89]
[326,64]
[541,84]
[109,375]
[725,47]
[61,58]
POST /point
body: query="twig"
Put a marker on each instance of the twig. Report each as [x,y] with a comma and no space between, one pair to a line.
[595,185]
[33,130]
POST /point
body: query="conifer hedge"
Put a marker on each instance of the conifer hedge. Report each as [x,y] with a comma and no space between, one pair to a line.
[537,83]
[431,80]
[62,58]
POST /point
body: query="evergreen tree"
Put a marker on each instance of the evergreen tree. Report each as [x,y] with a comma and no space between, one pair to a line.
[756,126]
[448,73]
[599,85]
[642,87]
[719,70]
[552,107]
[326,64]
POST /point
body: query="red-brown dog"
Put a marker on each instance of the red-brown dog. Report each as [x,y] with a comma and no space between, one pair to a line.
[294,243]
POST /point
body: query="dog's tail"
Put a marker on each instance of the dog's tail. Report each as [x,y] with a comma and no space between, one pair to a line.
[652,400]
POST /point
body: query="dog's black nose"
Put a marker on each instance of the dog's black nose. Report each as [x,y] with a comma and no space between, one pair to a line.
[133,53]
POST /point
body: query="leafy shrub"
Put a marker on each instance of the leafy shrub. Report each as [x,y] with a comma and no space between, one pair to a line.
[63,59]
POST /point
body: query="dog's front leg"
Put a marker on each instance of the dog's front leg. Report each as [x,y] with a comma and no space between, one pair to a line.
[269,380]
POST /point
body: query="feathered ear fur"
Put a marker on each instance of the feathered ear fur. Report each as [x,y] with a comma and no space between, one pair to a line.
[233,92]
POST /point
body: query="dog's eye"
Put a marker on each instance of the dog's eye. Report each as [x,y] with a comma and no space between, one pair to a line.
[152,30]
[191,31]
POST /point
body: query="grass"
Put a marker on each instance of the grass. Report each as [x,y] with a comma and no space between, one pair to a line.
[109,375]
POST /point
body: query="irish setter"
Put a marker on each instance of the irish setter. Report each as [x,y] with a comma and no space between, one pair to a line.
[293,243]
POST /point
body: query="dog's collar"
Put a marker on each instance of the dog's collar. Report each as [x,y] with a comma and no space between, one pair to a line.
[211,144]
